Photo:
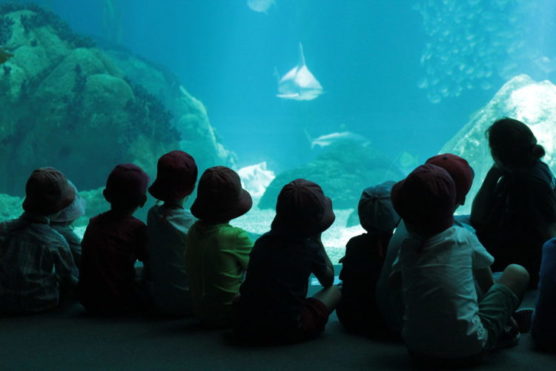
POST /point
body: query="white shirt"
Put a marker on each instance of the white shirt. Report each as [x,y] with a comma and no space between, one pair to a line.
[165,267]
[441,305]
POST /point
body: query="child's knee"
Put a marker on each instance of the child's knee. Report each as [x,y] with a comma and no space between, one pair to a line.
[516,278]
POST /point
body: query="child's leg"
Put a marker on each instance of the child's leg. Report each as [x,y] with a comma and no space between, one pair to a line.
[516,278]
[329,296]
[501,300]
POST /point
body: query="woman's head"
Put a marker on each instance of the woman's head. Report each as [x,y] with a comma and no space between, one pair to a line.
[513,144]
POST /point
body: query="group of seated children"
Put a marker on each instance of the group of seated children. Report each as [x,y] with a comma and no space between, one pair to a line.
[418,272]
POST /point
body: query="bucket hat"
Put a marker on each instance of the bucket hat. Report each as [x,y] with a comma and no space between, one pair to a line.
[47,191]
[375,209]
[73,211]
[127,183]
[426,198]
[460,171]
[175,176]
[303,209]
[220,196]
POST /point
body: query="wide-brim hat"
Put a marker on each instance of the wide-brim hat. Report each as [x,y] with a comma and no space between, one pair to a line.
[73,211]
[375,209]
[426,199]
[302,209]
[47,191]
[460,171]
[175,178]
[220,196]
[126,183]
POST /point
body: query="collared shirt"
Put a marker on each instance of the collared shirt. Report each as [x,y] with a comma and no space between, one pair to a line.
[36,265]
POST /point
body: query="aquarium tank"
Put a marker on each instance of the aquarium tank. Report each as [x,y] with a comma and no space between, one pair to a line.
[347,94]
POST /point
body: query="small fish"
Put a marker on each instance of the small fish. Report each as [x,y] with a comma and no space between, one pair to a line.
[299,83]
[260,6]
[328,139]
[4,56]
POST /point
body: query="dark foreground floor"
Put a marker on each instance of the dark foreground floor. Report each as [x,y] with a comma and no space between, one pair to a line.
[70,340]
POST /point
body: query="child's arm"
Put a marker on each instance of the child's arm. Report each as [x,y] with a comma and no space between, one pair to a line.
[244,245]
[323,270]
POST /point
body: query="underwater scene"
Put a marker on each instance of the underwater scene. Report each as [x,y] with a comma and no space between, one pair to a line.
[347,94]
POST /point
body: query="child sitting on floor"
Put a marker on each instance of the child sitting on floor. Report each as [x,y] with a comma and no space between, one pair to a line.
[389,299]
[62,222]
[437,266]
[217,253]
[363,262]
[273,306]
[37,269]
[167,227]
[112,243]
[543,329]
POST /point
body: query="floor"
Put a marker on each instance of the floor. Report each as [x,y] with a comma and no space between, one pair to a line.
[71,340]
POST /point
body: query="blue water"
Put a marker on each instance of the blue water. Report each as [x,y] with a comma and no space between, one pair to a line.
[367,55]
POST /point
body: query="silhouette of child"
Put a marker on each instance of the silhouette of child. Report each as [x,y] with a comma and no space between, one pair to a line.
[37,269]
[217,253]
[273,306]
[167,227]
[113,242]
[363,262]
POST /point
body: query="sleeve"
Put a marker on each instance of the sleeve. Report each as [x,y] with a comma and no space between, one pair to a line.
[480,257]
[319,264]
[243,246]
[65,268]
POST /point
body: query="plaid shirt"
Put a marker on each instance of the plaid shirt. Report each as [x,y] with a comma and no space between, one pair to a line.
[36,265]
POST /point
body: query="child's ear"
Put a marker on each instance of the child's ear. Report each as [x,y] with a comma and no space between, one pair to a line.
[143,200]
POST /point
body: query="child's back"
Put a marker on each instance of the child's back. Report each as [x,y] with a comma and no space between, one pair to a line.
[217,253]
[216,259]
[362,264]
[445,320]
[112,243]
[273,305]
[167,227]
[37,268]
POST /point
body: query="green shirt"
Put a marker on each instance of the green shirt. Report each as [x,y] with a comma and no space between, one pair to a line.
[216,259]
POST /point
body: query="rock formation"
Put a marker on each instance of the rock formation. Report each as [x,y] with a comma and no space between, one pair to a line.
[70,104]
[343,170]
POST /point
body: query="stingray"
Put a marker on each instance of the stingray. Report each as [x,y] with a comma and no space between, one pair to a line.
[299,83]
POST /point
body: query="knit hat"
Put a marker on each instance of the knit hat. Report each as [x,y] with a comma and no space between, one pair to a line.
[126,184]
[376,212]
[220,196]
[426,198]
[175,178]
[302,209]
[47,191]
[459,170]
[73,211]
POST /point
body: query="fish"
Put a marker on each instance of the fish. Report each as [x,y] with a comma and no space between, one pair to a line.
[260,6]
[299,83]
[4,56]
[329,139]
